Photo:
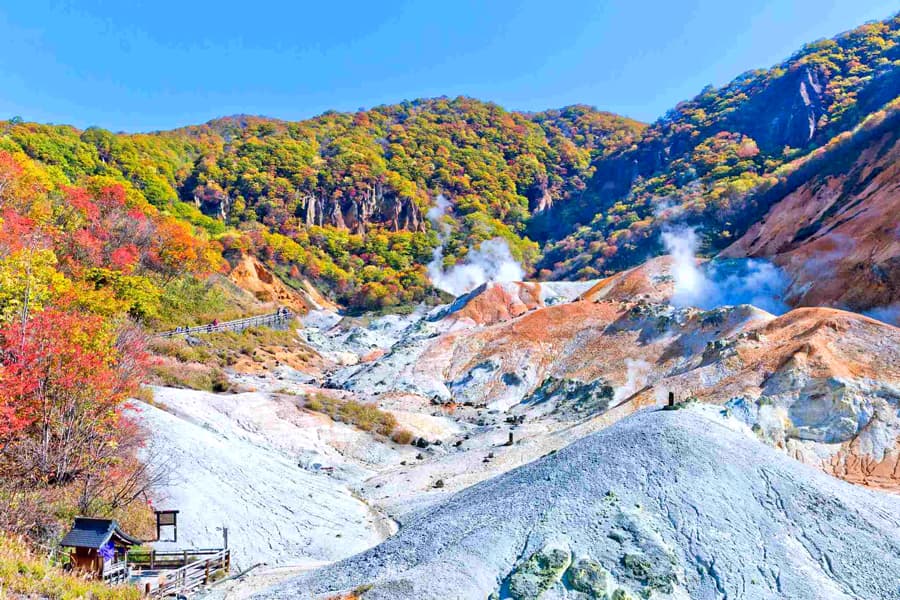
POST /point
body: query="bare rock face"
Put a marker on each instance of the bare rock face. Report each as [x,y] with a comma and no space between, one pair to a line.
[212,201]
[496,302]
[539,198]
[376,206]
[399,213]
[836,235]
[251,275]
[822,384]
[796,123]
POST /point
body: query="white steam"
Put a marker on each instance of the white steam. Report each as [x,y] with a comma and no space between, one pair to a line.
[722,283]
[691,284]
[637,372]
[667,209]
[436,214]
[491,261]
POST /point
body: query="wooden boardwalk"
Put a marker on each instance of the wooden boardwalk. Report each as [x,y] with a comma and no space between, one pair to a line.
[180,572]
[275,319]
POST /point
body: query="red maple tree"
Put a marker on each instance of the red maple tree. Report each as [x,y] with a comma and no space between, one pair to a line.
[65,378]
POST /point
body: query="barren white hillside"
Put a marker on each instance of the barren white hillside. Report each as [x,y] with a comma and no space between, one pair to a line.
[664,504]
[276,512]
[275,422]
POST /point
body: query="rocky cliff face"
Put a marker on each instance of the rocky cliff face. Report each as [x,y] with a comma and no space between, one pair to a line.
[376,207]
[786,113]
[252,276]
[212,201]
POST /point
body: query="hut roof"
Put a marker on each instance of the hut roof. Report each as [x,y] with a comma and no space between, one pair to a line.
[94,533]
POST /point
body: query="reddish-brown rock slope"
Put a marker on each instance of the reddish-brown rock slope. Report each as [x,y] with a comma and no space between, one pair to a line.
[838,234]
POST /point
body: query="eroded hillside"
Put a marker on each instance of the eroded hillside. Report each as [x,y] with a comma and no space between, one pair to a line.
[665,504]
[834,233]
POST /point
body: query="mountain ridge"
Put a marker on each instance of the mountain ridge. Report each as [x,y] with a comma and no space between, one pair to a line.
[342,199]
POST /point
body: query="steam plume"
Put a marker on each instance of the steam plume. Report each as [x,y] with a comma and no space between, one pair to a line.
[691,284]
[635,377]
[888,314]
[491,261]
[722,283]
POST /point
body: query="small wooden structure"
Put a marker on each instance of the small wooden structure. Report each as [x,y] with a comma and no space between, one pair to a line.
[167,518]
[100,548]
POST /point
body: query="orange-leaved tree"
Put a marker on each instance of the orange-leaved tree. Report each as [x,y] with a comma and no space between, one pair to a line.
[65,378]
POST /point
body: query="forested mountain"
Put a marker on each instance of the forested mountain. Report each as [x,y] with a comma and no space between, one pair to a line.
[342,199]
[713,160]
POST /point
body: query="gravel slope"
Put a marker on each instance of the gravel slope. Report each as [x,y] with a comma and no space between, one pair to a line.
[670,504]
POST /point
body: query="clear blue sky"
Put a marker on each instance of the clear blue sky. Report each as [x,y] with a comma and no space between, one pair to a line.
[138,65]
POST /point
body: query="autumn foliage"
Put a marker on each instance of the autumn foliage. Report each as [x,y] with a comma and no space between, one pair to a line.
[65,377]
[81,267]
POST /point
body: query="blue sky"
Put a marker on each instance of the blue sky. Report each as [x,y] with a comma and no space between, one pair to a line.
[137,65]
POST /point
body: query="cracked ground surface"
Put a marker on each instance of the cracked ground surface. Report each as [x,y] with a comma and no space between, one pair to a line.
[683,504]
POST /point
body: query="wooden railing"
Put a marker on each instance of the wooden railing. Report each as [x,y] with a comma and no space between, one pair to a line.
[277,318]
[203,565]
[169,559]
[115,572]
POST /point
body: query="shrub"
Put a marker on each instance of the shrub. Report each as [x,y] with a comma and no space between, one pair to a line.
[367,417]
[402,436]
[144,394]
[193,376]
[219,381]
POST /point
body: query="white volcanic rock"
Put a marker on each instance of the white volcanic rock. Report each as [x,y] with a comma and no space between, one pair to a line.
[400,370]
[676,504]
[341,338]
[276,511]
[276,423]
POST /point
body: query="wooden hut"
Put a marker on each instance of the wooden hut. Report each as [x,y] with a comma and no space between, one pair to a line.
[100,547]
